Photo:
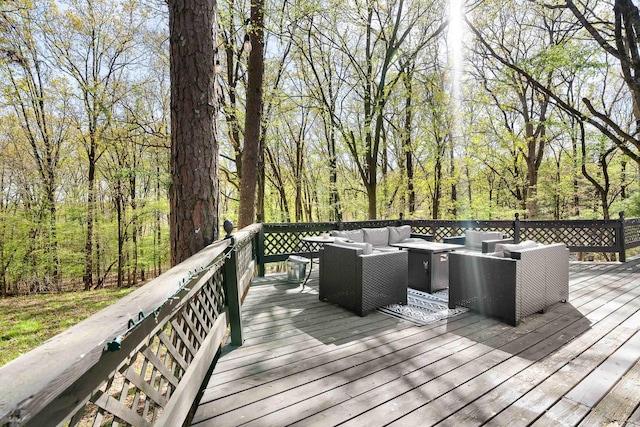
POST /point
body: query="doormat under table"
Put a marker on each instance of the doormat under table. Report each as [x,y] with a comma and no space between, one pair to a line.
[423,308]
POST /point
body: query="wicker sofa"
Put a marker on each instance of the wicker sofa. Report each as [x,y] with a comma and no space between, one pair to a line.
[511,283]
[359,279]
[381,237]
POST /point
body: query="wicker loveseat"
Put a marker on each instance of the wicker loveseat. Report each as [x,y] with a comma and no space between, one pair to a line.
[511,283]
[381,237]
[359,279]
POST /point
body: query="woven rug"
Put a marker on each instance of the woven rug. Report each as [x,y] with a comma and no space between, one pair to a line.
[423,308]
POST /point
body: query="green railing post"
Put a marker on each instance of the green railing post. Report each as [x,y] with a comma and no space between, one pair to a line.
[516,229]
[620,240]
[260,251]
[234,299]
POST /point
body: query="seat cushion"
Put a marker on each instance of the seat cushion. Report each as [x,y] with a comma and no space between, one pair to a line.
[507,248]
[473,239]
[367,248]
[398,234]
[385,249]
[376,236]
[354,235]
[498,254]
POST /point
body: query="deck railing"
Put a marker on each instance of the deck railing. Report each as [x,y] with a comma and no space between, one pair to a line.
[280,240]
[142,360]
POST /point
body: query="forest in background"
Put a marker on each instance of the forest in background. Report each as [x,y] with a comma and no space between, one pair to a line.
[432,109]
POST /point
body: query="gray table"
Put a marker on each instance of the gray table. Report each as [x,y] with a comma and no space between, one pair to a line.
[428,264]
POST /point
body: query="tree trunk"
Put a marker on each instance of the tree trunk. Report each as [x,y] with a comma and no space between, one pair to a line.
[91,206]
[285,215]
[298,170]
[253,116]
[371,193]
[454,183]
[532,193]
[556,197]
[120,215]
[194,146]
[261,179]
[576,191]
[623,179]
[135,228]
[437,183]
[334,196]
[53,235]
[157,236]
[406,143]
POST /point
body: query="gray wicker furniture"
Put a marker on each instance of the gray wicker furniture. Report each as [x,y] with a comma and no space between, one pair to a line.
[510,288]
[381,238]
[354,277]
[478,241]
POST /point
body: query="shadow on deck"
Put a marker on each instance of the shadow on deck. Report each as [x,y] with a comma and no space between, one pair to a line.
[306,362]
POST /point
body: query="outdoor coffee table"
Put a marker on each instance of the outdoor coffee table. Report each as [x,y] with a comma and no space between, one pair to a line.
[428,264]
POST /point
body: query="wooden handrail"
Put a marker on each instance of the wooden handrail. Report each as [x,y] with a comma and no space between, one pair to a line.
[136,358]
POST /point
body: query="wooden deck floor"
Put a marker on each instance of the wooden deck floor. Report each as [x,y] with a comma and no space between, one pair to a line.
[305,362]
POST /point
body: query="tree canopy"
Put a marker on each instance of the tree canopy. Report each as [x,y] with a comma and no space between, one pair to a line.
[365,109]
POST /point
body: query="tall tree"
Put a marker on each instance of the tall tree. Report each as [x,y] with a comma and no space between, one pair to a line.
[619,38]
[370,41]
[324,77]
[407,150]
[617,35]
[42,113]
[232,69]
[520,37]
[94,43]
[253,117]
[194,193]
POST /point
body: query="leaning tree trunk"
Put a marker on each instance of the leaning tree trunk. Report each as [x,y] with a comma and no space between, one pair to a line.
[194,147]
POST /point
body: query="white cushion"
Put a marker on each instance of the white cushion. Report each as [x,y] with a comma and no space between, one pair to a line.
[507,248]
[376,236]
[367,248]
[413,240]
[354,235]
[473,239]
[398,234]
[499,254]
[385,249]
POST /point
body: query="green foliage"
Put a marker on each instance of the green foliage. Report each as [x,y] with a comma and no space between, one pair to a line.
[28,321]
[569,56]
[315,86]
[631,206]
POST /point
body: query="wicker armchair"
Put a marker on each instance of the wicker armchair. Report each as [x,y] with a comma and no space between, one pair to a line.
[527,282]
[360,280]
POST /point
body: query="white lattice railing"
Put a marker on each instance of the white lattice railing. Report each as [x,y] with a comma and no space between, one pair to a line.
[142,360]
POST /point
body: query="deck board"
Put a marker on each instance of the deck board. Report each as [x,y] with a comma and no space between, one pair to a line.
[305,362]
[620,402]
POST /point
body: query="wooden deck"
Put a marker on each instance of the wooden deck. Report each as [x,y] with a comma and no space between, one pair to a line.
[306,362]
